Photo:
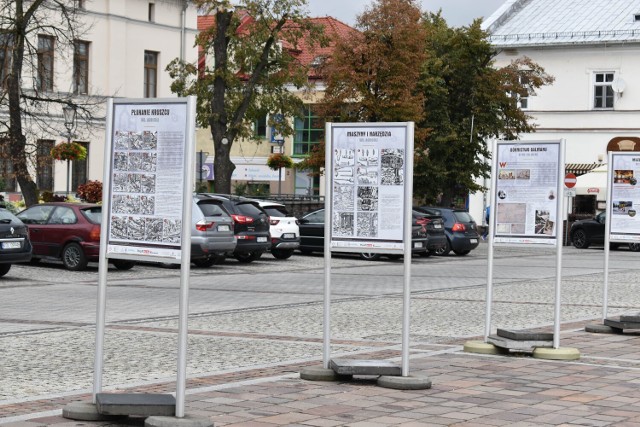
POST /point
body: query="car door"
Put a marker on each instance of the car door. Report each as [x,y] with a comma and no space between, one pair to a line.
[312,230]
[595,229]
[63,223]
[36,218]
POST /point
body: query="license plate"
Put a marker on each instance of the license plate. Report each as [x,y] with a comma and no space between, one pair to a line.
[10,245]
[417,244]
[289,236]
[437,225]
[473,240]
[224,227]
[262,239]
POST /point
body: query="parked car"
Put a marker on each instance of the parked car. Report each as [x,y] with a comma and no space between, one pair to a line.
[251,225]
[587,232]
[312,236]
[15,245]
[434,226]
[69,232]
[459,227]
[284,229]
[212,232]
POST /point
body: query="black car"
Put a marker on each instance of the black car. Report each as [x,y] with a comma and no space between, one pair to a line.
[587,232]
[15,245]
[312,236]
[459,227]
[434,227]
[251,225]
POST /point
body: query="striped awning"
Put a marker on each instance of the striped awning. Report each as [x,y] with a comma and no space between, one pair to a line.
[580,168]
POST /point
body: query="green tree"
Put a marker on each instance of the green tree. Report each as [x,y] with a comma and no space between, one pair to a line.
[252,66]
[467,102]
[31,100]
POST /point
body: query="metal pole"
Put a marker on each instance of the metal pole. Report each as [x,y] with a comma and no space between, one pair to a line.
[68,176]
[607,232]
[407,231]
[326,324]
[492,221]
[559,243]
[185,262]
[279,181]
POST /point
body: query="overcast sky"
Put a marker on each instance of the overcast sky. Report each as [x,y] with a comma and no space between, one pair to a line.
[456,12]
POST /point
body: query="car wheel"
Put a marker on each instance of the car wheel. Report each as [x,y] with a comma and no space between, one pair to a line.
[425,253]
[369,256]
[204,262]
[394,257]
[121,264]
[73,257]
[4,269]
[635,247]
[244,257]
[579,239]
[461,253]
[444,250]
[281,253]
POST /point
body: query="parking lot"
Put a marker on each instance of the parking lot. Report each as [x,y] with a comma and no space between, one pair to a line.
[269,313]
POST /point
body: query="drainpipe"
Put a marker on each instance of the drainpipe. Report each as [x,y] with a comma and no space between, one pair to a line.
[183,25]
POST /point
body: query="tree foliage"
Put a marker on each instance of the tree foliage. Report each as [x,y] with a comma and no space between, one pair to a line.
[34,109]
[467,102]
[252,66]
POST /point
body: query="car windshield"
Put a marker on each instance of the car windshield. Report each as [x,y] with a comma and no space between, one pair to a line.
[463,216]
[211,209]
[6,216]
[276,211]
[249,209]
[93,214]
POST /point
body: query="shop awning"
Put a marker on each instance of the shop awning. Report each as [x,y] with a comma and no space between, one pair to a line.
[580,168]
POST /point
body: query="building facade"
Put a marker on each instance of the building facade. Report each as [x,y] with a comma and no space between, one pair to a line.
[592,49]
[121,50]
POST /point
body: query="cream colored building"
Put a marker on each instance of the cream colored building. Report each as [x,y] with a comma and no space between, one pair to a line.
[122,52]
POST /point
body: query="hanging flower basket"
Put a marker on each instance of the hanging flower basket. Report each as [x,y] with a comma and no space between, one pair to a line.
[69,151]
[277,161]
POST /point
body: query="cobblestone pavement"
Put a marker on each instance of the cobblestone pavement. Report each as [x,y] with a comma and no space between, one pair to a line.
[252,327]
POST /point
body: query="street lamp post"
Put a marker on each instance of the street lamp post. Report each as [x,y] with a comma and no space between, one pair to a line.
[69,113]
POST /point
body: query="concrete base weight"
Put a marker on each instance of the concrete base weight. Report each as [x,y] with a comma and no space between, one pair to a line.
[410,382]
[599,328]
[319,373]
[482,347]
[157,421]
[562,353]
[85,411]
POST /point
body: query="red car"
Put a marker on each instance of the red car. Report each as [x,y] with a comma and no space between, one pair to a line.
[69,232]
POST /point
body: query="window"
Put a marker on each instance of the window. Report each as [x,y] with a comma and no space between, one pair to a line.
[44,165]
[260,127]
[45,64]
[523,78]
[602,90]
[152,12]
[79,169]
[309,130]
[80,4]
[7,177]
[81,67]
[6,48]
[150,74]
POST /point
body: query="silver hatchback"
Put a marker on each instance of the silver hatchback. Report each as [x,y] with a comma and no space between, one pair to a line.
[212,233]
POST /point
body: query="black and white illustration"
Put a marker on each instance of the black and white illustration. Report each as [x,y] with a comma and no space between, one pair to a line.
[368,175]
[343,175]
[120,182]
[133,183]
[136,227]
[368,157]
[121,140]
[125,204]
[343,197]
[147,140]
[343,224]
[153,229]
[147,183]
[149,162]
[392,166]
[367,224]
[121,161]
[119,227]
[367,198]
[147,205]
[171,230]
[344,157]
